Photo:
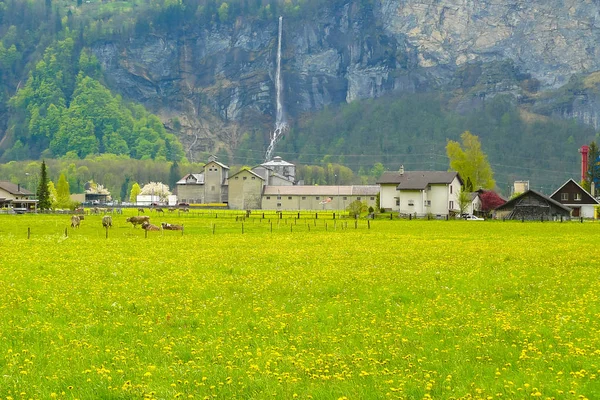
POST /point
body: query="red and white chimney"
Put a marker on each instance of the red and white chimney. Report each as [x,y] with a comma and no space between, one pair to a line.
[584,161]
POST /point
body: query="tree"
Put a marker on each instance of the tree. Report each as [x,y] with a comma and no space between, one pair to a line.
[63,199]
[490,200]
[157,189]
[43,194]
[135,191]
[174,174]
[470,161]
[53,194]
[464,199]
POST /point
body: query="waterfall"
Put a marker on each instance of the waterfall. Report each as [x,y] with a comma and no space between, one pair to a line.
[280,122]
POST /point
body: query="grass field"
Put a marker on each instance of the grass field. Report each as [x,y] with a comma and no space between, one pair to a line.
[405,309]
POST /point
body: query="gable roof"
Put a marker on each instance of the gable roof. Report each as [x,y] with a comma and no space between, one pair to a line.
[13,188]
[317,190]
[216,162]
[511,202]
[247,170]
[585,192]
[199,179]
[418,180]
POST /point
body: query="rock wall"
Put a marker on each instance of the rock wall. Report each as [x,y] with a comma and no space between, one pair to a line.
[219,82]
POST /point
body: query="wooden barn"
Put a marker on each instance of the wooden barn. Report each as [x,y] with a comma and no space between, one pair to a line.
[532,206]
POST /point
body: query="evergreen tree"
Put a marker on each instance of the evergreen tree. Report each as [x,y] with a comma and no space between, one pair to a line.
[174,175]
[43,194]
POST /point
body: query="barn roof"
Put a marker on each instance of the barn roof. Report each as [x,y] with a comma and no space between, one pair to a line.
[512,202]
[15,189]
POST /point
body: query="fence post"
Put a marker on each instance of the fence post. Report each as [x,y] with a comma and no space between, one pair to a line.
[334,216]
[391,216]
[316,215]
[325,226]
[67,232]
[28,233]
[242,228]
[291,227]
[368,224]
[214,226]
[410,217]
[107,231]
[581,220]
[181,229]
[355,224]
[308,227]
[298,215]
[271,227]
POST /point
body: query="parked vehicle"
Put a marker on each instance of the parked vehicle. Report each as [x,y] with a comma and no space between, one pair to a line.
[470,217]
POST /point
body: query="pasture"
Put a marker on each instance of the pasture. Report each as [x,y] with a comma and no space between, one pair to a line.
[405,309]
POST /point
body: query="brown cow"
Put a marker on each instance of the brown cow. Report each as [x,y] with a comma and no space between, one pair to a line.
[107,221]
[171,227]
[140,210]
[75,221]
[138,220]
[149,227]
[159,210]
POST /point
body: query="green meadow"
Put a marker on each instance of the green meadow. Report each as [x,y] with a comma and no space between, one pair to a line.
[303,309]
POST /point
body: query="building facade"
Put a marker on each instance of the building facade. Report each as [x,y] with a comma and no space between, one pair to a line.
[209,186]
[315,197]
[245,190]
[572,195]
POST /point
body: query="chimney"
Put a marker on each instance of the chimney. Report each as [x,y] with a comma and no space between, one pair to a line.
[584,161]
[402,169]
[593,189]
[18,188]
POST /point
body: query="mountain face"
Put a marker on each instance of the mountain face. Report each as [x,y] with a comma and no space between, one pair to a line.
[215,84]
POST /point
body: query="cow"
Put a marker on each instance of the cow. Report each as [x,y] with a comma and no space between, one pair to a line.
[138,220]
[171,227]
[81,217]
[149,227]
[107,221]
[171,209]
[141,210]
[159,210]
[75,221]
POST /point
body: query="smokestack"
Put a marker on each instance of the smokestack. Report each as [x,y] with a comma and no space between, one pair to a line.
[584,161]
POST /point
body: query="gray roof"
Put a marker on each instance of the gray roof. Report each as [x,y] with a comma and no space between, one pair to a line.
[277,161]
[247,170]
[509,203]
[316,190]
[13,188]
[417,180]
[218,163]
[199,179]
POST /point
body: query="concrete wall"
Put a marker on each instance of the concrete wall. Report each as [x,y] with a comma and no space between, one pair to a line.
[192,194]
[388,197]
[214,176]
[245,190]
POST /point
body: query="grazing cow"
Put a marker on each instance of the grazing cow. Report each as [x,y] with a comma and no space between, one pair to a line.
[81,217]
[75,221]
[140,210]
[119,210]
[138,220]
[171,209]
[95,210]
[186,210]
[171,227]
[149,227]
[159,210]
[107,221]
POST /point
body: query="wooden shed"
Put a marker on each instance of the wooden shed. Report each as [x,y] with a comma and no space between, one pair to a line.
[532,206]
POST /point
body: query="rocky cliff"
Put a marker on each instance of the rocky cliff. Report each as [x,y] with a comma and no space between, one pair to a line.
[212,85]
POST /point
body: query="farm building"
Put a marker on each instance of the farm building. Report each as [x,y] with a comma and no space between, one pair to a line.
[16,197]
[532,206]
[245,190]
[572,195]
[317,197]
[210,186]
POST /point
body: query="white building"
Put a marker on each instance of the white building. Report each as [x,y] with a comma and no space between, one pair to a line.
[420,192]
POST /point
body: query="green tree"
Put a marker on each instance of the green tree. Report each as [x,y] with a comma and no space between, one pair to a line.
[53,194]
[43,194]
[223,12]
[464,199]
[470,161]
[174,174]
[135,191]
[63,199]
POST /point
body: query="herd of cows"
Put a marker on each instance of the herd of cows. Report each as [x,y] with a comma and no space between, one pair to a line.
[142,220]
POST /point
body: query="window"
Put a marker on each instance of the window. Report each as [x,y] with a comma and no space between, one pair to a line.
[268,197]
[450,191]
[429,188]
[451,205]
[245,177]
[577,196]
[253,178]
[278,197]
[427,203]
[317,198]
[411,203]
[237,177]
[278,204]
[289,197]
[358,198]
[212,188]
[303,197]
[345,198]
[564,196]
[397,201]
[372,198]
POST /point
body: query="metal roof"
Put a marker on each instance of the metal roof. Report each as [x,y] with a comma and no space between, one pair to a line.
[277,161]
[13,188]
[199,179]
[316,190]
[247,170]
[417,180]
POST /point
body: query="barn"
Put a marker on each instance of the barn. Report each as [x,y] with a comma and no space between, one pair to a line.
[532,206]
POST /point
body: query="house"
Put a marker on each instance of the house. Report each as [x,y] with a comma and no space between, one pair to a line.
[14,196]
[420,192]
[281,168]
[245,190]
[572,195]
[210,186]
[317,197]
[532,206]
